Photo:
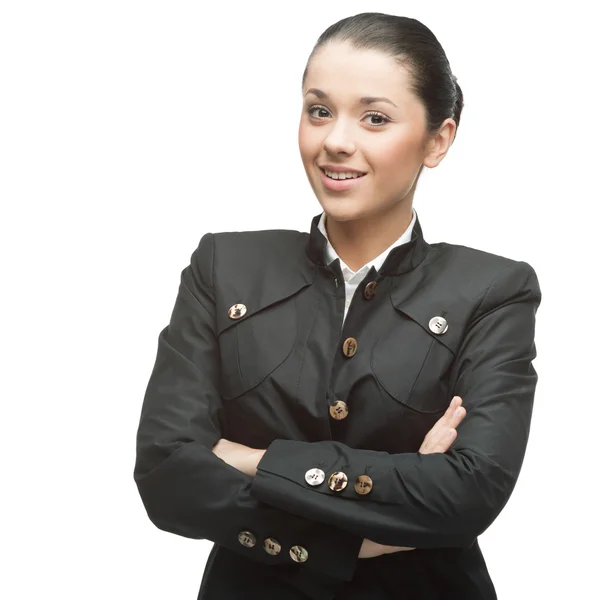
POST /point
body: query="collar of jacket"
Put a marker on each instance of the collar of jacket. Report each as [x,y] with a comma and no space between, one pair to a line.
[401,259]
[265,277]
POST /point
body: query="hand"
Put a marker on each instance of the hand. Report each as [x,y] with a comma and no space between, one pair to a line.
[243,458]
[371,549]
[438,439]
[442,435]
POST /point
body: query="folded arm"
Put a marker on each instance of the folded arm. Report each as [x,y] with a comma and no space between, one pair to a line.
[188,490]
[433,500]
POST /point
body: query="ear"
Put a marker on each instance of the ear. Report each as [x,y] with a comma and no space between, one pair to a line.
[438,144]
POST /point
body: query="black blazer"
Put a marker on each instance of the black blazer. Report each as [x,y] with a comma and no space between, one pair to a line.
[436,320]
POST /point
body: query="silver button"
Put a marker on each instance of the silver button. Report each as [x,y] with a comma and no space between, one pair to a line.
[314,476]
[438,325]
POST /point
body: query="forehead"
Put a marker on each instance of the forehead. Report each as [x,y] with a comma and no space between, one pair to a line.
[343,71]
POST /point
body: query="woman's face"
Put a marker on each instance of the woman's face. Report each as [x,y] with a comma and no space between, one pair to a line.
[358,113]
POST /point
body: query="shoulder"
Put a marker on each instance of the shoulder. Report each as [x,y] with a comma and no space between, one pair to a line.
[253,268]
[493,278]
[261,243]
[265,244]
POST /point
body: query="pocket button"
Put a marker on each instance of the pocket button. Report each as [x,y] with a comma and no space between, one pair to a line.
[438,325]
[237,311]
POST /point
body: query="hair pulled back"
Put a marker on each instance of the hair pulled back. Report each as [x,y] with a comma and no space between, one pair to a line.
[414,46]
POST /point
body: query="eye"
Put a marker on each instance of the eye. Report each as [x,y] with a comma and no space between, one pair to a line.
[377,115]
[320,108]
[323,113]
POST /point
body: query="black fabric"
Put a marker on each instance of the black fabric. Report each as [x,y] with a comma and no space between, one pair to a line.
[267,380]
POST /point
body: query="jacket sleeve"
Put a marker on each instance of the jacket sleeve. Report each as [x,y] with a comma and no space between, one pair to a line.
[443,499]
[188,490]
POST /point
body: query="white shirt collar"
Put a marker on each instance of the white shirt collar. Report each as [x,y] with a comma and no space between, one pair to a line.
[331,254]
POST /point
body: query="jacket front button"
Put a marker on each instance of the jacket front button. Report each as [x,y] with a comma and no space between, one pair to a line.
[314,477]
[370,290]
[237,311]
[338,410]
[299,553]
[438,325]
[338,481]
[363,485]
[272,546]
[247,538]
[350,347]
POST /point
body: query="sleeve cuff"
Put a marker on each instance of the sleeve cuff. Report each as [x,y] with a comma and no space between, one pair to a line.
[335,549]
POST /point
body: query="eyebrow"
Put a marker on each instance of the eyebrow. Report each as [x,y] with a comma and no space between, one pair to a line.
[364,100]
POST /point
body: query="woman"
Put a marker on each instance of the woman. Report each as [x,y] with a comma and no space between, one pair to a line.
[299,412]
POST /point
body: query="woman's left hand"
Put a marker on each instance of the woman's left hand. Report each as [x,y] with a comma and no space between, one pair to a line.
[438,439]
[241,457]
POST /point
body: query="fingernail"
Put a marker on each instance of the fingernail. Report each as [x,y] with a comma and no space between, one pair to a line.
[457,411]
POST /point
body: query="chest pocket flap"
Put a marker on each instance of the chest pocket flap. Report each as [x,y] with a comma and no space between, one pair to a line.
[411,359]
[256,326]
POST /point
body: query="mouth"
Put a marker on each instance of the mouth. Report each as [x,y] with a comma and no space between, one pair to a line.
[340,182]
[342,176]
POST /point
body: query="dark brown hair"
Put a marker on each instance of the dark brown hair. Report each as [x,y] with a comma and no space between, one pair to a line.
[414,46]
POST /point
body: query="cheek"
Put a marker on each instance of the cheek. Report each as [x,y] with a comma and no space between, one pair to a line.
[309,140]
[302,144]
[394,157]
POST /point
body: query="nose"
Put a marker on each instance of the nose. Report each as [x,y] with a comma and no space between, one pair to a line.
[338,140]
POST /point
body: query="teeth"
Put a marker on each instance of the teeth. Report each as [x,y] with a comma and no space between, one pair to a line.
[335,175]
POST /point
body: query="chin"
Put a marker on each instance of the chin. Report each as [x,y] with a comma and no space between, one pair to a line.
[343,209]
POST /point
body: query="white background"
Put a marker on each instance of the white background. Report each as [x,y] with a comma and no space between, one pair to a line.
[128,129]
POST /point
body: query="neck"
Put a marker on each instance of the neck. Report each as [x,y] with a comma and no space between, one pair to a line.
[359,241]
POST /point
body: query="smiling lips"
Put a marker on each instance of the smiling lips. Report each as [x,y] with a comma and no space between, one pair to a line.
[339,181]
[343,174]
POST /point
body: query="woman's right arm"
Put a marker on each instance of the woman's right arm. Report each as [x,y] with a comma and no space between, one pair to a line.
[189,491]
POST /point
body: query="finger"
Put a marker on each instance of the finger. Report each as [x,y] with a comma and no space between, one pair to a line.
[441,443]
[457,416]
[448,419]
[452,412]
[453,418]
[399,549]
[443,421]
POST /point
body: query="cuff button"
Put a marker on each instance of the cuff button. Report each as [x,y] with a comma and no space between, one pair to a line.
[363,485]
[247,538]
[272,546]
[338,481]
[314,476]
[299,554]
